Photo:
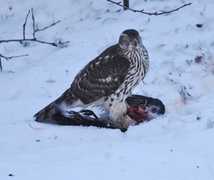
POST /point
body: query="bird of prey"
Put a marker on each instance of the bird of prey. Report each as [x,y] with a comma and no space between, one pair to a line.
[106,81]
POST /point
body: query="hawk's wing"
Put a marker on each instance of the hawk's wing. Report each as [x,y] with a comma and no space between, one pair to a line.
[101,77]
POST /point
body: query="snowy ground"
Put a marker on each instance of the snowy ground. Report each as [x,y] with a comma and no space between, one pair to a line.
[178,145]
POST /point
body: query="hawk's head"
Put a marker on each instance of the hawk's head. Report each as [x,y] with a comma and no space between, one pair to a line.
[130,40]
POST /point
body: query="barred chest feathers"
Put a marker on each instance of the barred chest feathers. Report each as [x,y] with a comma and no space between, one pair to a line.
[139,65]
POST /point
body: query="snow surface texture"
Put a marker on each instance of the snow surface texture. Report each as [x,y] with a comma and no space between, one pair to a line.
[178,145]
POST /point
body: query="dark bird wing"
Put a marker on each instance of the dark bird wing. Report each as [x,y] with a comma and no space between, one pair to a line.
[101,77]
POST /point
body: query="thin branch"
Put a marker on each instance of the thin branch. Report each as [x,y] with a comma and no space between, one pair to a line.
[148,13]
[16,40]
[44,42]
[34,25]
[57,43]
[11,57]
[24,25]
[42,29]
[1,64]
[8,58]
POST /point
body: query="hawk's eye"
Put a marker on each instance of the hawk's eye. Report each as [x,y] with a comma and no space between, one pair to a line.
[126,38]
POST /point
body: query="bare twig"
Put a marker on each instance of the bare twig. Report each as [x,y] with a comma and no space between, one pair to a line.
[57,43]
[44,42]
[11,57]
[0,64]
[61,44]
[24,25]
[34,25]
[34,33]
[16,40]
[8,58]
[148,13]
[42,29]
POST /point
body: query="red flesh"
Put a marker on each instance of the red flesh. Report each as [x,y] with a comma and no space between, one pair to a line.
[138,114]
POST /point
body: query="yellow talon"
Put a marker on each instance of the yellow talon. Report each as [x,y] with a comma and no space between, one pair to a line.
[127,105]
[124,126]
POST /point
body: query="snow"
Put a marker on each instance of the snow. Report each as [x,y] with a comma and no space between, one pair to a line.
[178,145]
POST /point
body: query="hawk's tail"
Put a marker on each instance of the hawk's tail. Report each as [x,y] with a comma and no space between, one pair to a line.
[48,113]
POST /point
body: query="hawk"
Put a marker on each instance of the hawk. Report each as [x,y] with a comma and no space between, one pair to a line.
[106,81]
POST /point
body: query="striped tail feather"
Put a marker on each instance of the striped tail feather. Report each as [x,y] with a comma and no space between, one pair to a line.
[48,113]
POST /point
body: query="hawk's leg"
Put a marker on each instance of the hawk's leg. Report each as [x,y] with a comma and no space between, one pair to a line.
[127,105]
[124,126]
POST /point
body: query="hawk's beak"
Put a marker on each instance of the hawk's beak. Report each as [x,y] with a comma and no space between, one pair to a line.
[135,43]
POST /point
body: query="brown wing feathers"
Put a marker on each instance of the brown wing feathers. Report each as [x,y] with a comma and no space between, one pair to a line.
[101,77]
